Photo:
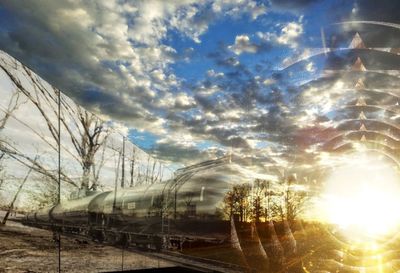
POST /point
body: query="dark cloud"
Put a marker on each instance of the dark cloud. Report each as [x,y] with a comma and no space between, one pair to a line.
[128,76]
[292,4]
[173,152]
[384,10]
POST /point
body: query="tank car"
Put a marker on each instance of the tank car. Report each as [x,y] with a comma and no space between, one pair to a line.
[186,209]
[181,213]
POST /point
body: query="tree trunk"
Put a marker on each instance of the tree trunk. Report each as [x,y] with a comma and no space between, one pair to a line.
[85,178]
[123,164]
[132,170]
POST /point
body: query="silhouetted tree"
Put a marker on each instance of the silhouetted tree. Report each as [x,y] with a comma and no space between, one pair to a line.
[257,197]
[290,204]
[236,201]
[295,200]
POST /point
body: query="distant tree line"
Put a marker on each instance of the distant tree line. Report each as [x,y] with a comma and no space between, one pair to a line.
[265,200]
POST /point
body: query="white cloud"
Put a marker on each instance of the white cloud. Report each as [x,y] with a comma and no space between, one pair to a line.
[269,81]
[243,44]
[213,74]
[117,47]
[289,34]
[238,7]
[310,67]
[232,114]
[183,100]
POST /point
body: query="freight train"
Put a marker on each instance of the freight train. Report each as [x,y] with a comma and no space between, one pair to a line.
[181,213]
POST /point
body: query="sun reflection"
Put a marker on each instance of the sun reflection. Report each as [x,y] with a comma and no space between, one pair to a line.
[361,198]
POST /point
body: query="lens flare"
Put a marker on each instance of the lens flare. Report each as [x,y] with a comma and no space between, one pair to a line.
[361,198]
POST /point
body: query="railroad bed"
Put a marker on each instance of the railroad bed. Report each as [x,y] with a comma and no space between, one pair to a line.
[28,249]
[175,257]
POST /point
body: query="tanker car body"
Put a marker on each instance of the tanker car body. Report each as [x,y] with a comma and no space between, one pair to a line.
[184,213]
[169,213]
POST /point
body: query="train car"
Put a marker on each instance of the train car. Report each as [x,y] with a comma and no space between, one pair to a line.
[73,211]
[190,210]
[43,215]
[30,217]
[186,208]
[182,213]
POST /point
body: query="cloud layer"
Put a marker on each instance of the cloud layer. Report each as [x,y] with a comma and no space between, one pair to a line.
[199,79]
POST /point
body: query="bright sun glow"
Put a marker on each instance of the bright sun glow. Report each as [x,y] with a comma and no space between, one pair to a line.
[362,197]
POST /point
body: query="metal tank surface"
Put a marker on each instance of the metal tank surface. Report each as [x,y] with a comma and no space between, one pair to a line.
[187,213]
[73,211]
[191,208]
[197,198]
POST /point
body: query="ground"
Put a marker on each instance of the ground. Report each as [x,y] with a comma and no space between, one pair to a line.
[26,249]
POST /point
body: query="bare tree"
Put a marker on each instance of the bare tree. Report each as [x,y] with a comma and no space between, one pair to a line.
[159,175]
[132,166]
[278,209]
[294,200]
[189,205]
[147,169]
[257,196]
[236,202]
[13,104]
[98,166]
[91,134]
[139,179]
[153,170]
[290,204]
[46,194]
[16,195]
[36,165]
[42,98]
[123,163]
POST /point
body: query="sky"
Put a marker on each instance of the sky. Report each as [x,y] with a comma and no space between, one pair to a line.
[196,80]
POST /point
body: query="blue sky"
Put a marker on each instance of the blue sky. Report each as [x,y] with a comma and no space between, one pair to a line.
[191,80]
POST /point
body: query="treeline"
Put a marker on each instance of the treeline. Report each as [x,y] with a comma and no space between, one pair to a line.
[264,200]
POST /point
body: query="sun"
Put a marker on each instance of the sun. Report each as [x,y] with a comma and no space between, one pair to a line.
[362,197]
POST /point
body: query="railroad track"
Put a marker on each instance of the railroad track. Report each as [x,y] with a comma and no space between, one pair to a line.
[197,263]
[188,261]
